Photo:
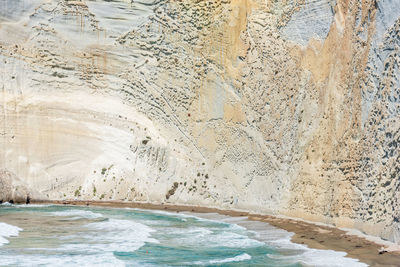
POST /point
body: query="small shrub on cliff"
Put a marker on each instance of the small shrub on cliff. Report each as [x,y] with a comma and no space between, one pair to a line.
[77,193]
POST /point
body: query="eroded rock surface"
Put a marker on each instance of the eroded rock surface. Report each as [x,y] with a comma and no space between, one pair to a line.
[286,107]
[13,190]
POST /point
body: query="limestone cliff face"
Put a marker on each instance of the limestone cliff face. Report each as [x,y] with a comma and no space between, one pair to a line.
[287,107]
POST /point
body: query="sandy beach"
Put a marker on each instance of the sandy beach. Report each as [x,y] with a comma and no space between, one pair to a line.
[312,235]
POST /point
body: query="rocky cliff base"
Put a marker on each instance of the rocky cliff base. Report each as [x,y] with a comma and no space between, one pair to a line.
[13,190]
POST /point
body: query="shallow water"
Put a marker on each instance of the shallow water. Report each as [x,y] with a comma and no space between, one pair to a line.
[89,236]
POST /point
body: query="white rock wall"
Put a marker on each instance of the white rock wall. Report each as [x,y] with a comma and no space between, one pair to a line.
[285,107]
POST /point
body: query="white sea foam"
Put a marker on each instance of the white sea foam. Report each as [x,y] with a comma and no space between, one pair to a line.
[31,206]
[241,257]
[216,233]
[233,240]
[7,230]
[329,258]
[298,253]
[213,218]
[24,205]
[104,259]
[322,258]
[96,242]
[186,215]
[94,246]
[292,252]
[309,256]
[212,237]
[181,216]
[192,232]
[76,214]
[113,235]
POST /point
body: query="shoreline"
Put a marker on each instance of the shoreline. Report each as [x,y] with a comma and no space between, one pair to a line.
[313,235]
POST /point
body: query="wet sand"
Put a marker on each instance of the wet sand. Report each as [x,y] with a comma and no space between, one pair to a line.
[312,235]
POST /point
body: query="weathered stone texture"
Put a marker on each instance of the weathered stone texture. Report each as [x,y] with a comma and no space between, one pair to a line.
[287,107]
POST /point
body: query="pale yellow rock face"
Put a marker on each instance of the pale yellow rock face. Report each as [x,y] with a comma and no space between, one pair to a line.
[283,107]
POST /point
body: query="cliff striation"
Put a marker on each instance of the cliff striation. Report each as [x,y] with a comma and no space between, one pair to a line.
[283,107]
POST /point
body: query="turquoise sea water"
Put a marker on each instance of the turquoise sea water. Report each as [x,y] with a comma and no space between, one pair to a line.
[34,235]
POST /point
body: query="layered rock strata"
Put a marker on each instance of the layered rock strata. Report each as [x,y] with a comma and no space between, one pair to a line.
[284,107]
